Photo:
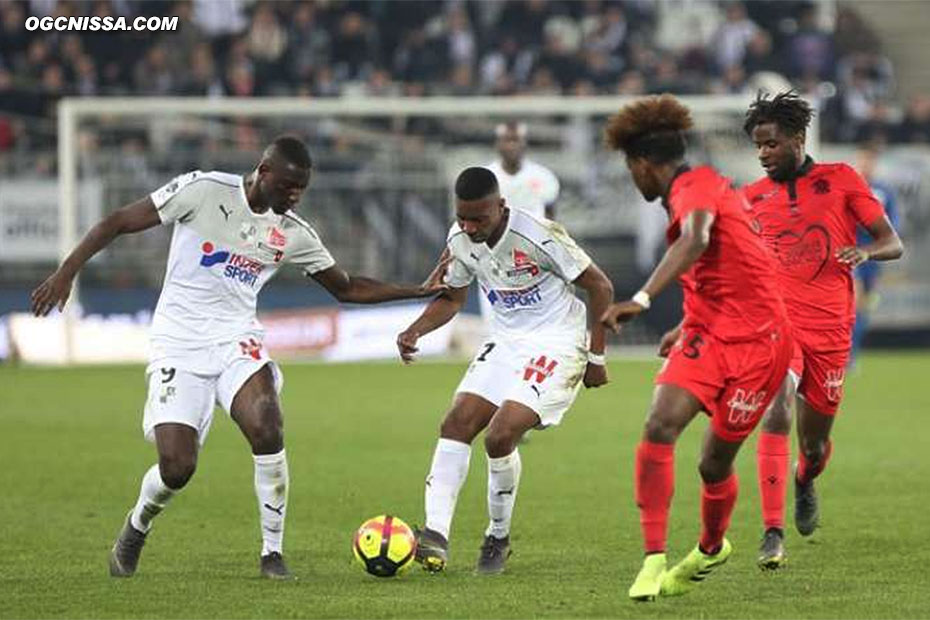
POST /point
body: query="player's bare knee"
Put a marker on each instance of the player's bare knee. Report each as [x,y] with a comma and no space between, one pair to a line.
[714,468]
[777,420]
[814,450]
[264,426]
[500,441]
[176,469]
[458,426]
[660,429]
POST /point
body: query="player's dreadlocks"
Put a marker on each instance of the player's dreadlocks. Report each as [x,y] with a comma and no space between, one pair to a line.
[787,110]
[652,127]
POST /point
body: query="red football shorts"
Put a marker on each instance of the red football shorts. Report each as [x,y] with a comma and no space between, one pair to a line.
[734,381]
[825,354]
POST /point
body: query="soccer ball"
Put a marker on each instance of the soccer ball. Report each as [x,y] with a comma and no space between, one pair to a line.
[384,545]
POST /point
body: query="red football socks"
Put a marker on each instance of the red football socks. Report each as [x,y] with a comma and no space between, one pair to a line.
[807,471]
[717,502]
[654,483]
[772,453]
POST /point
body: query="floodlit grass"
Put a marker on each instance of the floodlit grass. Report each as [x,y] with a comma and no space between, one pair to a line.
[359,440]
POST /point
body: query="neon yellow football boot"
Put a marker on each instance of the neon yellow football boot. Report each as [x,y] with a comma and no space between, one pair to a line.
[697,565]
[648,581]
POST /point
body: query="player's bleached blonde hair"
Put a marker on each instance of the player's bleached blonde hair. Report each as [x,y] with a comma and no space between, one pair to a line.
[651,127]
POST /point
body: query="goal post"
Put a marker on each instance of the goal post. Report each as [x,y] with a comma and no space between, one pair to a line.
[565,134]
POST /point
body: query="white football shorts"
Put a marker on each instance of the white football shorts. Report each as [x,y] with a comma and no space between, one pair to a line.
[185,386]
[544,374]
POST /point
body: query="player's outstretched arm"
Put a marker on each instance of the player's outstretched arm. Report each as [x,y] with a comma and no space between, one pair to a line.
[600,294]
[361,290]
[886,245]
[694,239]
[138,216]
[439,312]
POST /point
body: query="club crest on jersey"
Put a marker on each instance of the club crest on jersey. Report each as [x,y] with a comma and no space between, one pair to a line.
[277,238]
[238,267]
[821,186]
[522,265]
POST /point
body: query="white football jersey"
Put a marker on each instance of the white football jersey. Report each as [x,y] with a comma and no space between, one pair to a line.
[221,255]
[531,188]
[527,276]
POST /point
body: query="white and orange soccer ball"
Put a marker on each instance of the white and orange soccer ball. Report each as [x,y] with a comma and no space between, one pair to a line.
[384,545]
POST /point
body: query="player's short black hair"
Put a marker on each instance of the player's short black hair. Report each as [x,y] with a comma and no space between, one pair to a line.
[293,150]
[475,183]
[787,110]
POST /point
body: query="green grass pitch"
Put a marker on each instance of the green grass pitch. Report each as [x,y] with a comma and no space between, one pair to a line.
[359,440]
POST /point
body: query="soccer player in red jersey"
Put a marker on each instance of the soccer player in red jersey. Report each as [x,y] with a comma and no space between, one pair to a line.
[728,356]
[807,214]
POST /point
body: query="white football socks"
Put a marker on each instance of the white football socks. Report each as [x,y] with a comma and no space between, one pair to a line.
[154,494]
[446,477]
[503,481]
[271,482]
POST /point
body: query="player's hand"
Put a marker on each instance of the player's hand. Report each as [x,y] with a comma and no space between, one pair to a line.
[407,345]
[620,312]
[595,375]
[668,341]
[433,285]
[53,292]
[852,256]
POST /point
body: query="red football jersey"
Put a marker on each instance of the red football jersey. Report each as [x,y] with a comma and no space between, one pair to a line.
[731,290]
[804,221]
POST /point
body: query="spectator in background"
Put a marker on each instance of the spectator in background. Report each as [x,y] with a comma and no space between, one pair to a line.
[810,49]
[201,80]
[733,37]
[309,43]
[460,37]
[153,75]
[759,57]
[915,128]
[505,66]
[606,34]
[222,21]
[353,47]
[524,20]
[267,41]
[182,42]
[14,39]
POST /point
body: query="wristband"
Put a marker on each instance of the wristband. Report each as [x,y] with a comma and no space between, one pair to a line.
[642,298]
[597,359]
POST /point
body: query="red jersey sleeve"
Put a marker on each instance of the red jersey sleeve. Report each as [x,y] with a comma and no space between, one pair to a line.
[860,201]
[696,190]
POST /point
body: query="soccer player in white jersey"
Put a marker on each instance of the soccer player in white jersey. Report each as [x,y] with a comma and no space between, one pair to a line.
[524,184]
[527,373]
[231,234]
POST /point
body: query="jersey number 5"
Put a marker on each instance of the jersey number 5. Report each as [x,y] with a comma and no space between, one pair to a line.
[692,348]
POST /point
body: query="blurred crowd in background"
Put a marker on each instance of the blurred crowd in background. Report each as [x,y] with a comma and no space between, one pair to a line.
[237,48]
